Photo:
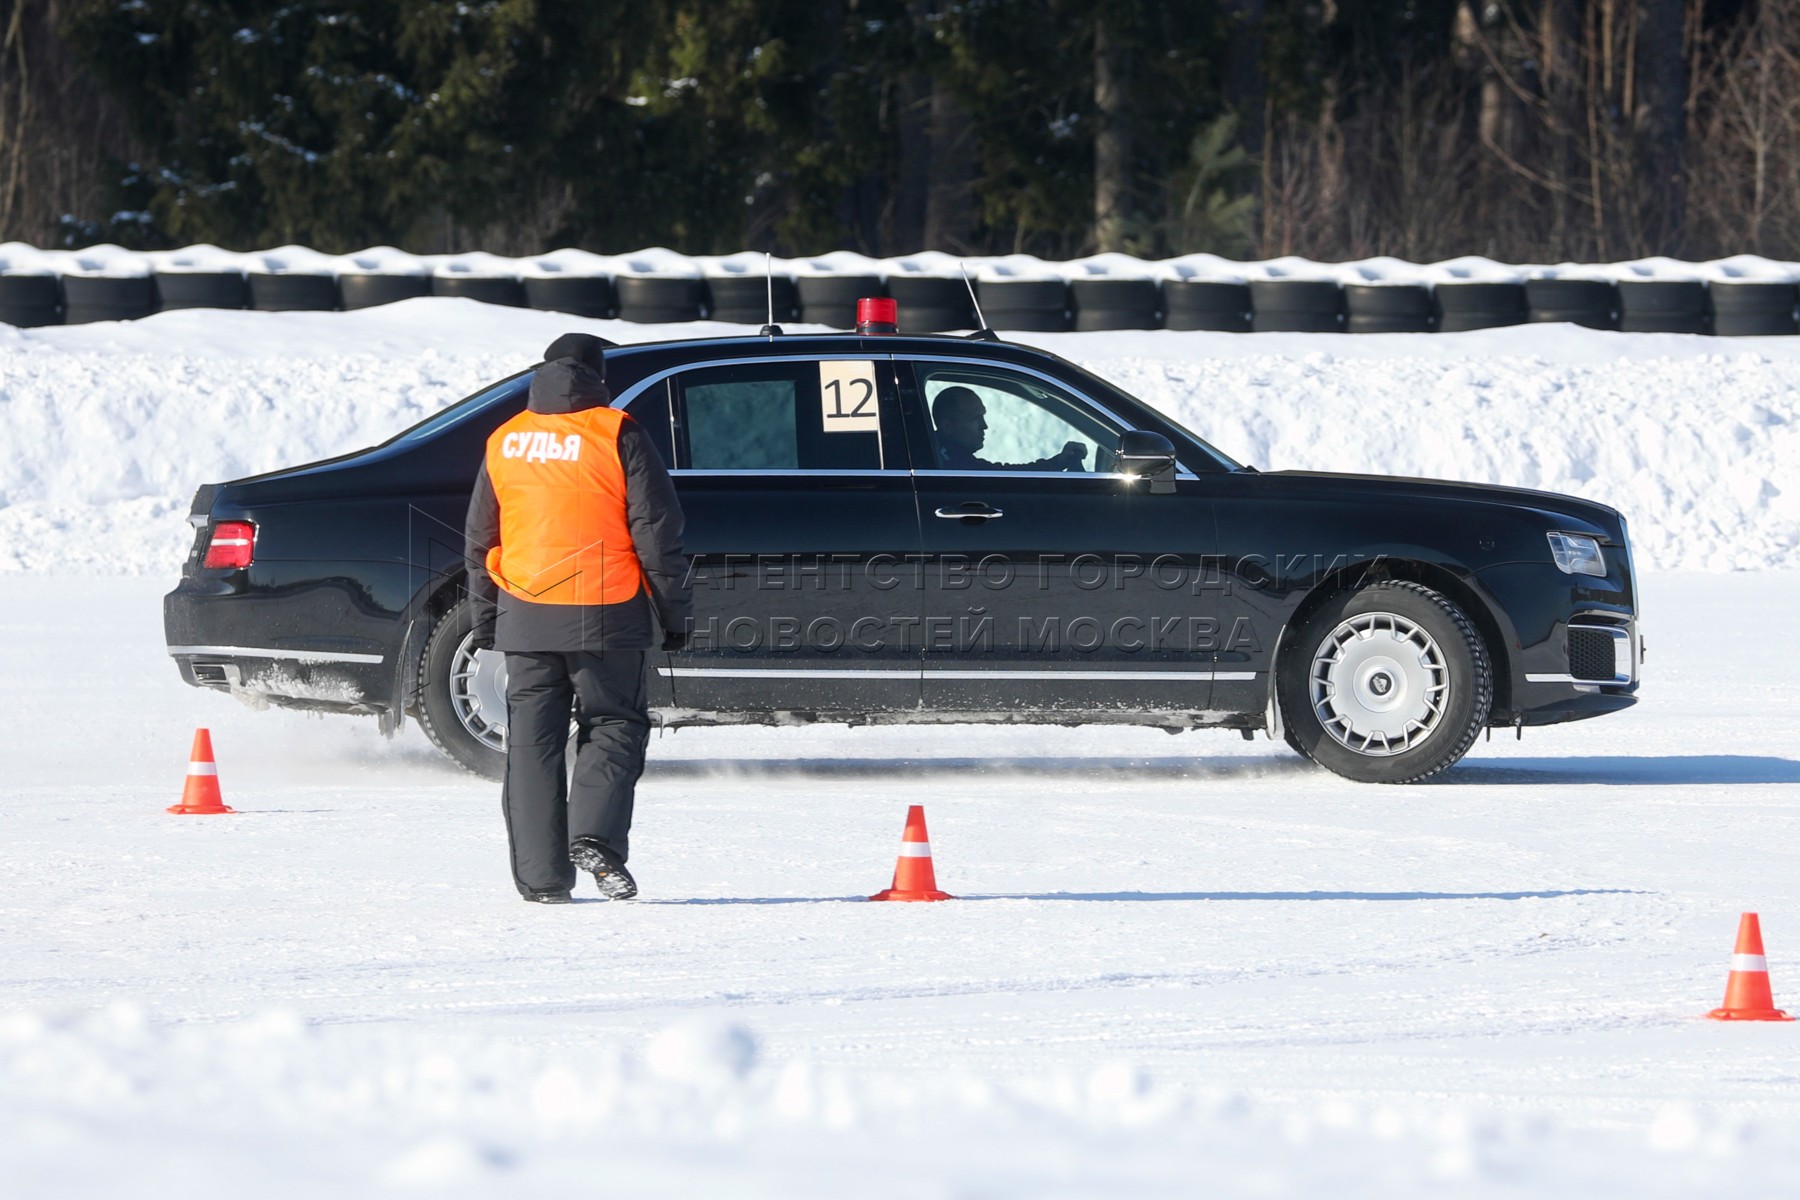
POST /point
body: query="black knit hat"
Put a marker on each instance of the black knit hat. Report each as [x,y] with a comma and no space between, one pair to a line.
[582,347]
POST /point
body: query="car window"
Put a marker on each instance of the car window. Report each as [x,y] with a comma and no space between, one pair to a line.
[993,419]
[789,416]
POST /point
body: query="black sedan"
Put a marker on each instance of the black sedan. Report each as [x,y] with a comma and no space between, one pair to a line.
[943,529]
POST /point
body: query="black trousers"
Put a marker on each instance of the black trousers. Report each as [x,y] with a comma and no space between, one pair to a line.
[545,810]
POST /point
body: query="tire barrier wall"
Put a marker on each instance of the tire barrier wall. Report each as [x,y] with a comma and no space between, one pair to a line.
[1590,302]
[293,293]
[201,289]
[489,289]
[1295,306]
[368,291]
[932,304]
[1033,305]
[1116,304]
[30,300]
[1754,309]
[1387,308]
[747,299]
[1745,308]
[831,299]
[1663,306]
[1460,307]
[1202,304]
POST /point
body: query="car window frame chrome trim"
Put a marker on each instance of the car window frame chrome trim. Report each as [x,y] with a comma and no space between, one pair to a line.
[624,399]
[1181,468]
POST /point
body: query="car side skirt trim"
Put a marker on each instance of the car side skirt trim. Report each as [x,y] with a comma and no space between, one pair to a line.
[914,673]
[261,652]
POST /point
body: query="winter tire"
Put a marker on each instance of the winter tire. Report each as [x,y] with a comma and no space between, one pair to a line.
[372,290]
[488,289]
[107,298]
[658,300]
[1206,304]
[1387,684]
[1296,306]
[30,300]
[293,293]
[201,289]
[462,695]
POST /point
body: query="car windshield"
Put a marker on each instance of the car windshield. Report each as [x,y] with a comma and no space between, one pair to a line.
[463,408]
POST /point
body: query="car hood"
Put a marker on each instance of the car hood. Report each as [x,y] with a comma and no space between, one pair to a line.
[1603,518]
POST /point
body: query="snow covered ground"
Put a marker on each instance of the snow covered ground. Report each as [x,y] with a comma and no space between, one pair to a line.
[1180,965]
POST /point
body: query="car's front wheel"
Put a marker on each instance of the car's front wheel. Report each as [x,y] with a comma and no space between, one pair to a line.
[1387,684]
[462,695]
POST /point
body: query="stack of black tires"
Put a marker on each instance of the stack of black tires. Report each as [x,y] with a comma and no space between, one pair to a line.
[737,290]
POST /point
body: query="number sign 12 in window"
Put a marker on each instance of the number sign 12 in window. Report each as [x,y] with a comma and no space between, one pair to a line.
[848,399]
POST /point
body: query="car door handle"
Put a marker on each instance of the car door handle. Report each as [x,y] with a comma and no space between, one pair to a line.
[975,511]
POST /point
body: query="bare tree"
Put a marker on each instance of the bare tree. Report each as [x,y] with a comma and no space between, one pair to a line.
[1744,174]
[57,129]
[1112,139]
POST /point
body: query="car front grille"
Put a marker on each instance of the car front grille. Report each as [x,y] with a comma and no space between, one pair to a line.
[1591,654]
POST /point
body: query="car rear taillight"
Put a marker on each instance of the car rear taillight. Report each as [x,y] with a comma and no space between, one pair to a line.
[233,544]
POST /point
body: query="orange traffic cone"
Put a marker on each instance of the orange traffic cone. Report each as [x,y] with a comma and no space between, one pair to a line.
[201,795]
[1747,996]
[913,877]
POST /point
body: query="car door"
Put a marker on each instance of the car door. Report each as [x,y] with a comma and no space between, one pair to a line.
[1051,590]
[801,522]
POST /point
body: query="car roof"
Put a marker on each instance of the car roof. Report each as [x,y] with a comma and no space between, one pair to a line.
[784,344]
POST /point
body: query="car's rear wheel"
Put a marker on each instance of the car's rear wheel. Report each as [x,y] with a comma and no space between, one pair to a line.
[1387,684]
[462,695]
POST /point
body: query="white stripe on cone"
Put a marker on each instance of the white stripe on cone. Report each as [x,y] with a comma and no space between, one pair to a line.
[1749,962]
[915,849]
[203,768]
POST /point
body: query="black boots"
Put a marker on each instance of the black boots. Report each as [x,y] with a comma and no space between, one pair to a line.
[610,875]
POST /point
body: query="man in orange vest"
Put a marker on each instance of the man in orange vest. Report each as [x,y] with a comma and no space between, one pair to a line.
[574,547]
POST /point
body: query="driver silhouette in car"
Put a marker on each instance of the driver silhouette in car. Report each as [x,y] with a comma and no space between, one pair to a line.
[961,420]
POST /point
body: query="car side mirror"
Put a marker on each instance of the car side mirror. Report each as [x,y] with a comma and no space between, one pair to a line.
[1146,455]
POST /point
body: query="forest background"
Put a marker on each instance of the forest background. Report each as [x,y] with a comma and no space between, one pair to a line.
[1525,130]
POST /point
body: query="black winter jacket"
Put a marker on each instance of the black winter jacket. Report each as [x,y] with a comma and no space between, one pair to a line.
[653,514]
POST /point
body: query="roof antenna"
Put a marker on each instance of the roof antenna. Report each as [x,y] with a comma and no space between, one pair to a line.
[771,330]
[983,334]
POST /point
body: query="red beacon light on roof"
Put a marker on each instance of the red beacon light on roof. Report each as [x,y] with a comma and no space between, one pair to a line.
[877,315]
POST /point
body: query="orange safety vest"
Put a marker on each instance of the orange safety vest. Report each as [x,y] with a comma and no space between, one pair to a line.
[564,538]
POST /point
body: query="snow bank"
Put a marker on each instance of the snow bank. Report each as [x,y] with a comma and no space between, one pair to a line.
[107,429]
[272,1106]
